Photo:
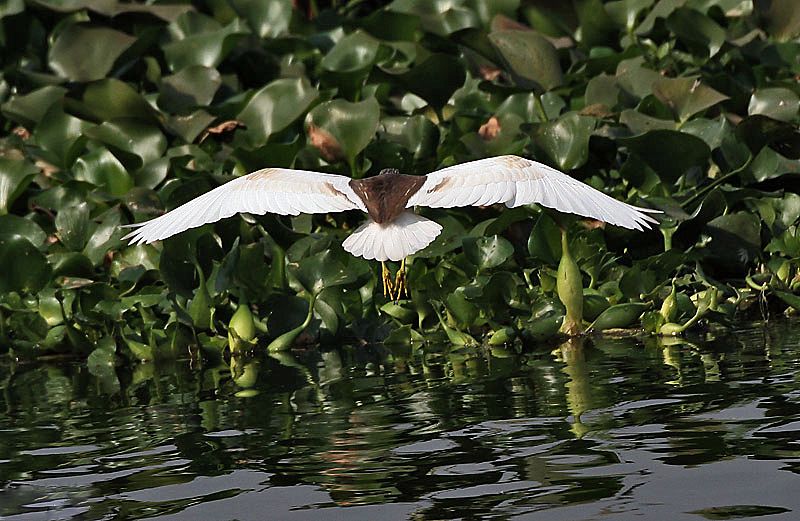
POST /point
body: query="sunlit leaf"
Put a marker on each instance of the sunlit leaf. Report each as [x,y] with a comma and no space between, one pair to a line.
[85,53]
[529,56]
[15,176]
[275,107]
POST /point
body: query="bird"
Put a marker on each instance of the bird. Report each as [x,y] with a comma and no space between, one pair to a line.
[392,230]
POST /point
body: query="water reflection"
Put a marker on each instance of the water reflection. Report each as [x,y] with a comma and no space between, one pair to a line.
[615,428]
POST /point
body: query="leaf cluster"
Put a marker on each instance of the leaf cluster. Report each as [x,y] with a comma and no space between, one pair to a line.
[113,112]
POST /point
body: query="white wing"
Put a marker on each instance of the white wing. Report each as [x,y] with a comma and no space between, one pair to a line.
[516,181]
[275,190]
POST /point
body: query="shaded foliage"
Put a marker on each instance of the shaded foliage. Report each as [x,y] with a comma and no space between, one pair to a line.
[114,112]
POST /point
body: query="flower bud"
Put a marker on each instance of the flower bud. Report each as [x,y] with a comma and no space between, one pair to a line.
[569,285]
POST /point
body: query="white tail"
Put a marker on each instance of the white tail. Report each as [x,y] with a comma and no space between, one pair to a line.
[393,241]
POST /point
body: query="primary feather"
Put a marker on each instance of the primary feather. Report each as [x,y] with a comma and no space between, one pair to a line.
[516,181]
[275,190]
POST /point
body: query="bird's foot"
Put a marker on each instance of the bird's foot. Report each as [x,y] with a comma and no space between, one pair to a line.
[388,285]
[400,283]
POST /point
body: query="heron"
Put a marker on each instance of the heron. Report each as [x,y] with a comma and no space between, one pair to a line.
[392,230]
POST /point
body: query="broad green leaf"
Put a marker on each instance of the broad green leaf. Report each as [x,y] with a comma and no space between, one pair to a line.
[14,226]
[58,136]
[417,134]
[777,103]
[275,107]
[566,140]
[636,79]
[29,109]
[696,30]
[15,176]
[735,240]
[449,74]
[267,18]
[529,56]
[441,17]
[602,90]
[111,98]
[72,226]
[662,9]
[781,18]
[625,12]
[391,26]
[686,96]
[199,41]
[351,125]
[668,152]
[191,87]
[544,243]
[143,141]
[596,26]
[639,123]
[619,316]
[24,267]
[100,168]
[487,252]
[85,53]
[354,52]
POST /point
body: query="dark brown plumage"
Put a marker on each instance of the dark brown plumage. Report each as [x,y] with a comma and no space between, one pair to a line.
[387,194]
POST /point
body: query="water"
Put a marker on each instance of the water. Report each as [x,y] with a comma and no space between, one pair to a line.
[616,429]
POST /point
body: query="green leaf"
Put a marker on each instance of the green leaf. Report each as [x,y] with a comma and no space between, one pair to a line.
[25,268]
[566,140]
[103,170]
[20,227]
[544,243]
[199,40]
[602,90]
[735,240]
[275,107]
[72,226]
[686,96]
[267,18]
[699,32]
[111,98]
[529,56]
[487,252]
[781,18]
[669,153]
[777,103]
[30,108]
[448,71]
[142,142]
[193,86]
[619,316]
[441,17]
[351,125]
[417,134]
[634,78]
[60,136]
[85,53]
[354,52]
[15,176]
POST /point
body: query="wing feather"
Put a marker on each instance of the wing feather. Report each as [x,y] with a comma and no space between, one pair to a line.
[516,181]
[276,190]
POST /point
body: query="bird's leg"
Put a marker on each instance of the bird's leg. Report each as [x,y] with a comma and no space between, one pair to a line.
[386,276]
[400,281]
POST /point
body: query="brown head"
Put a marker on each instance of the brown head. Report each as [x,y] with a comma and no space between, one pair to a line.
[387,194]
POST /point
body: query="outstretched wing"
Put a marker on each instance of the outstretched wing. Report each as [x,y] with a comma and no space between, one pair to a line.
[516,181]
[276,190]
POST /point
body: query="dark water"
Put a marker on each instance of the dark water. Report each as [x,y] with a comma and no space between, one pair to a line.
[617,429]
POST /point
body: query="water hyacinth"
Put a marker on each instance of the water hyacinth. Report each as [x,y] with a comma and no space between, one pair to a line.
[569,284]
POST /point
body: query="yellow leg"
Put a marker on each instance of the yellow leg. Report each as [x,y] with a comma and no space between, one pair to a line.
[386,276]
[400,283]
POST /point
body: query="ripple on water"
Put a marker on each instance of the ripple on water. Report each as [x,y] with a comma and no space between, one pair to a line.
[611,429]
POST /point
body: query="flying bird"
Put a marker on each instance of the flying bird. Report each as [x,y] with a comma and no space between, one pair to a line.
[393,231]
